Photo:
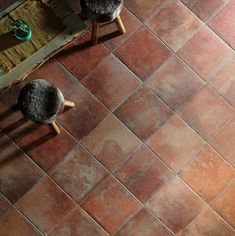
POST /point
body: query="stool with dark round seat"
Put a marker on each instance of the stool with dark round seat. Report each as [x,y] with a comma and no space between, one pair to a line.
[40,101]
[103,11]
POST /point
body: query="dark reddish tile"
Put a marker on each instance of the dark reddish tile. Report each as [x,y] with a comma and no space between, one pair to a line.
[200,54]
[176,143]
[224,143]
[175,24]
[224,204]
[17,172]
[144,223]
[45,205]
[130,22]
[204,9]
[81,56]
[79,173]
[143,174]
[208,174]
[143,112]
[175,204]
[208,223]
[4,204]
[13,223]
[37,141]
[224,82]
[111,205]
[111,82]
[223,23]
[143,59]
[207,113]
[77,224]
[174,82]
[85,116]
[55,74]
[143,9]
[111,143]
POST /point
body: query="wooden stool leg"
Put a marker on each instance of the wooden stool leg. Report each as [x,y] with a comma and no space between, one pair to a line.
[120,25]
[94,36]
[55,127]
[69,104]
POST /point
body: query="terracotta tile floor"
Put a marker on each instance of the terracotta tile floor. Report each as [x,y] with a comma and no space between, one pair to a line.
[149,149]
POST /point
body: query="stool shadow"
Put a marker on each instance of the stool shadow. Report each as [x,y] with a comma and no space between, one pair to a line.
[7,41]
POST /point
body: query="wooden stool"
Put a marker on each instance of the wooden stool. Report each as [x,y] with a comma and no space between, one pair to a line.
[102,12]
[40,101]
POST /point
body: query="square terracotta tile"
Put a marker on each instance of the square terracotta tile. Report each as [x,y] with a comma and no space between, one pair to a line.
[144,223]
[81,56]
[111,82]
[208,174]
[208,223]
[143,59]
[85,116]
[77,224]
[223,23]
[4,204]
[224,82]
[37,140]
[204,9]
[175,204]
[111,205]
[143,112]
[224,143]
[14,223]
[18,173]
[207,113]
[143,174]
[143,9]
[56,74]
[200,54]
[79,173]
[111,143]
[176,143]
[131,23]
[45,205]
[175,24]
[174,82]
[224,204]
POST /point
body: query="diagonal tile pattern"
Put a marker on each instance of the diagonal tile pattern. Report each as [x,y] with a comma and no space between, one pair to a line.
[148,149]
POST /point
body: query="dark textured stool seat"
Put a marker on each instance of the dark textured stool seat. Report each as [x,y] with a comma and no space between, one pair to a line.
[102,11]
[41,101]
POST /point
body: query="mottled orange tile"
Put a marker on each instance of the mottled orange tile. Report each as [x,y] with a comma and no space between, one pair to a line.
[175,204]
[143,53]
[176,143]
[204,9]
[224,143]
[4,204]
[200,54]
[143,112]
[111,82]
[45,205]
[143,9]
[144,223]
[111,205]
[175,24]
[208,223]
[224,204]
[174,82]
[207,113]
[143,173]
[77,224]
[208,174]
[79,173]
[111,143]
[224,82]
[12,223]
